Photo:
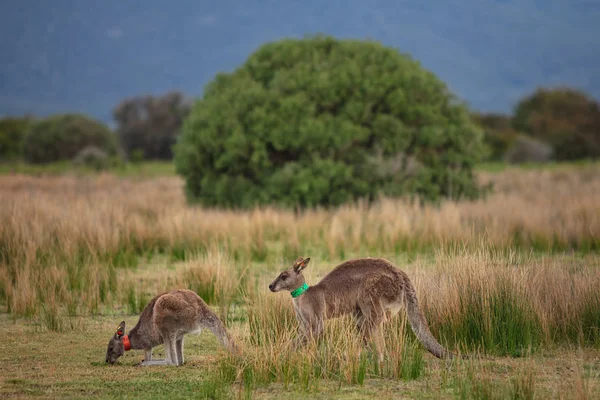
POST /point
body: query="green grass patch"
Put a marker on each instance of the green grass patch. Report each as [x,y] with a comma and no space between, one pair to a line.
[500,322]
[499,166]
[146,169]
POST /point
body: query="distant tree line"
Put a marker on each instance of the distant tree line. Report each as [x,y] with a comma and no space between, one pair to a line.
[146,129]
[560,124]
[147,126]
[549,124]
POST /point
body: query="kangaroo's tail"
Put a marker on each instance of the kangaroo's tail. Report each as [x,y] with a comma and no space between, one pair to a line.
[419,325]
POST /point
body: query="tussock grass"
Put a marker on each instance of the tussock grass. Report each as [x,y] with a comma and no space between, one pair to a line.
[271,354]
[113,220]
[583,384]
[510,305]
[216,278]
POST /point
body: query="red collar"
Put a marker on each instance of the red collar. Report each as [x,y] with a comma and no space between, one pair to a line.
[126,342]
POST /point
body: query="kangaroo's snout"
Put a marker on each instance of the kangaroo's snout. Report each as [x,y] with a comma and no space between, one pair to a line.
[271,287]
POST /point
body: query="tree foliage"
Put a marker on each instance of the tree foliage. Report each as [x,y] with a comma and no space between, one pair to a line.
[12,132]
[499,134]
[567,119]
[150,124]
[320,121]
[61,137]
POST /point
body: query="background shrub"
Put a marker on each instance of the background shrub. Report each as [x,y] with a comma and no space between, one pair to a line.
[567,119]
[147,125]
[12,132]
[92,157]
[525,149]
[319,121]
[63,136]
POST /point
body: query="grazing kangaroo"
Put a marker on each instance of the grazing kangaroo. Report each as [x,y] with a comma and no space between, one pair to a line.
[165,320]
[366,288]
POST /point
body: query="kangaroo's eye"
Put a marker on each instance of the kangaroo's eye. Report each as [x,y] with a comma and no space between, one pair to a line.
[283,277]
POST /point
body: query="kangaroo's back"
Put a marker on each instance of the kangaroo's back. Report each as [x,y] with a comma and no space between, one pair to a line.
[145,326]
[181,309]
[357,270]
[349,284]
[362,275]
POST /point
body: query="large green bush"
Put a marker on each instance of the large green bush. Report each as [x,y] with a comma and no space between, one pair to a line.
[12,132]
[565,118]
[319,121]
[63,136]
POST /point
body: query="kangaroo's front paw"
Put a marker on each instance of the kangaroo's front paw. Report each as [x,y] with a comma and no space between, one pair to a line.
[154,362]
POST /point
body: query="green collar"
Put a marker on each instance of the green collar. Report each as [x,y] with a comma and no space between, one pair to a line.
[299,291]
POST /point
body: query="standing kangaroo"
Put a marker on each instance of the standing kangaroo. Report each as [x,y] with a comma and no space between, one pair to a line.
[165,320]
[366,288]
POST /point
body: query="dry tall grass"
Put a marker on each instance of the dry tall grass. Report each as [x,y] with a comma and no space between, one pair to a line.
[65,242]
[508,304]
[107,219]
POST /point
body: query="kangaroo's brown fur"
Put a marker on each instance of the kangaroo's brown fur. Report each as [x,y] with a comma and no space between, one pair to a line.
[368,288]
[165,320]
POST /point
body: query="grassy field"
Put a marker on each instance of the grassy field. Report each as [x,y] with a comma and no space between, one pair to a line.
[513,279]
[48,365]
[145,169]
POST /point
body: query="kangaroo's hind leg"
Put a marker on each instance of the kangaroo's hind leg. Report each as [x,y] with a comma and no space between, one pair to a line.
[359,324]
[370,325]
[179,348]
[170,349]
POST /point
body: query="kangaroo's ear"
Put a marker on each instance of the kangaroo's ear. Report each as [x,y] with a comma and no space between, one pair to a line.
[300,264]
[120,330]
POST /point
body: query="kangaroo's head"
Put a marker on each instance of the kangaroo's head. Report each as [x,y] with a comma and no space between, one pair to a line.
[292,278]
[116,348]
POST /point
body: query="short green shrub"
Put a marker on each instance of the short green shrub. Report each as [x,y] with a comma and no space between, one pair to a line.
[63,136]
